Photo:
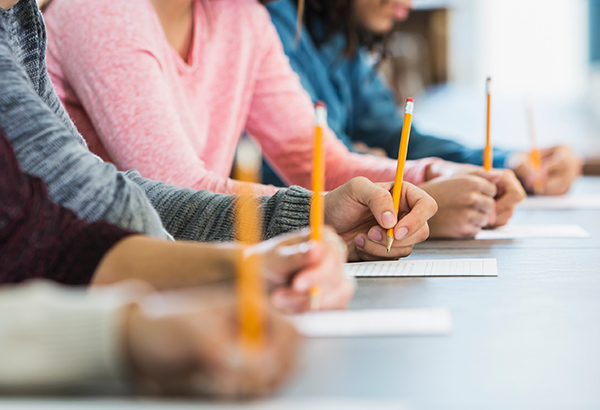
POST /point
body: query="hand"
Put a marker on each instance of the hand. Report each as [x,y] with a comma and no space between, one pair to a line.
[362,148]
[510,193]
[447,169]
[361,212]
[186,342]
[466,205]
[509,190]
[292,265]
[560,167]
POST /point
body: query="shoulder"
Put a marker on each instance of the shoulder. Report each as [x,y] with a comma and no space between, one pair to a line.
[248,20]
[283,13]
[97,21]
[240,11]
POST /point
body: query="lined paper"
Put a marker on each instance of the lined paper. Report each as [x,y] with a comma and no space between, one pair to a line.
[385,322]
[533,231]
[423,268]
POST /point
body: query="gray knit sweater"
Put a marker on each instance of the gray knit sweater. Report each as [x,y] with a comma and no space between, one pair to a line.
[49,146]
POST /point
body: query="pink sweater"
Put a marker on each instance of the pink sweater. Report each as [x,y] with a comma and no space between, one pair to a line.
[140,105]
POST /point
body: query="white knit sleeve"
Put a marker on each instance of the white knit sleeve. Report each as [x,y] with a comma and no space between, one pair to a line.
[52,336]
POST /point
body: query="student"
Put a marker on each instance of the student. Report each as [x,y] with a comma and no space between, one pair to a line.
[49,147]
[41,240]
[56,338]
[331,59]
[168,87]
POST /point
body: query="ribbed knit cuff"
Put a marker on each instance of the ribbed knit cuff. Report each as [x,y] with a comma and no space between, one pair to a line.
[288,210]
[72,337]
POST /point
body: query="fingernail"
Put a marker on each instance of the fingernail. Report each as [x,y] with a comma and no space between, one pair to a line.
[301,285]
[388,219]
[359,241]
[375,235]
[278,301]
[307,246]
[401,233]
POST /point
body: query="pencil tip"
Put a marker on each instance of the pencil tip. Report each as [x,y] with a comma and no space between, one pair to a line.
[390,241]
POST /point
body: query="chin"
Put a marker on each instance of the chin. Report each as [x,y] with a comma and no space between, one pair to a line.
[383,27]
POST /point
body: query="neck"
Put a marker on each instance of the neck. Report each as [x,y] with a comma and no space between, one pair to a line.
[177,20]
[172,9]
[7,4]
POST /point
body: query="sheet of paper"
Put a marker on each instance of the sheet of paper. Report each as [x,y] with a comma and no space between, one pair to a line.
[561,202]
[423,268]
[388,322]
[534,231]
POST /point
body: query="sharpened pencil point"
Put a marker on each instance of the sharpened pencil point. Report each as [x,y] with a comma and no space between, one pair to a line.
[390,241]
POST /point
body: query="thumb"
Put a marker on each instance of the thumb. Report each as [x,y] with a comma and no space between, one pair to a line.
[494,176]
[287,261]
[379,200]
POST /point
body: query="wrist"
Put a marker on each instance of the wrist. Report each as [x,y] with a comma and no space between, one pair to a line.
[130,318]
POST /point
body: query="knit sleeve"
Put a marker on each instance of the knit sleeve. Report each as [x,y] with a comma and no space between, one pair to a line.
[48,149]
[39,239]
[184,211]
[285,133]
[53,337]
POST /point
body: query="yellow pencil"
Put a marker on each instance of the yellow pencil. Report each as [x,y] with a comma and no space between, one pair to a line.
[402,151]
[250,286]
[535,157]
[318,186]
[487,153]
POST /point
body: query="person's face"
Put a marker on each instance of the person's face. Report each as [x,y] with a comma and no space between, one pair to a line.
[379,16]
[7,4]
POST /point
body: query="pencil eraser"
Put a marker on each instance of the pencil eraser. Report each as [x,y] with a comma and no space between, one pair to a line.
[410,100]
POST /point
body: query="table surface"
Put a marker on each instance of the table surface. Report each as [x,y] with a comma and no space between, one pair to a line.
[528,339]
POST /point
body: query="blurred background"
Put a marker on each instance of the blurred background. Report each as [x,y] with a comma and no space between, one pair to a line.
[543,53]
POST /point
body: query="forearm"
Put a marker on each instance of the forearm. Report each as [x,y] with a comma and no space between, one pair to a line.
[167,265]
[422,146]
[205,216]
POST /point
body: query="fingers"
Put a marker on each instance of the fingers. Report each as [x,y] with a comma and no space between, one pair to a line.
[326,273]
[283,257]
[502,218]
[290,302]
[417,207]
[258,373]
[557,185]
[483,182]
[377,250]
[285,262]
[510,192]
[335,294]
[373,251]
[562,168]
[378,199]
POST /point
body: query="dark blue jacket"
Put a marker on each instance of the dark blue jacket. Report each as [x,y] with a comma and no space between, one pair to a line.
[360,106]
